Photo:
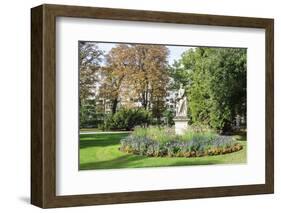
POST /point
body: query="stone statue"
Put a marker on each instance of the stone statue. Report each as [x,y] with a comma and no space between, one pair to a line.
[181,125]
[181,103]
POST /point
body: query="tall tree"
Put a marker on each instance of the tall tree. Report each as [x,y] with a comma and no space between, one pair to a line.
[119,64]
[228,86]
[215,81]
[151,76]
[90,58]
[137,73]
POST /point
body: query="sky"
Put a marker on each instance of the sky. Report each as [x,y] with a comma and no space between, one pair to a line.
[175,51]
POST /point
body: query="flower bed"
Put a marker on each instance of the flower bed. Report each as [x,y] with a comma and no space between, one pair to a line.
[155,142]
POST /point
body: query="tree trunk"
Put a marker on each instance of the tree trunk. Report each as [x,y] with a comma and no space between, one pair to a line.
[114,106]
[144,101]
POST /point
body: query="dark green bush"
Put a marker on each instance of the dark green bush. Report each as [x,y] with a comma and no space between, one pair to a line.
[89,117]
[126,119]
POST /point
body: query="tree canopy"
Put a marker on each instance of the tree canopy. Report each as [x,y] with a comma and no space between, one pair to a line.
[89,63]
[215,82]
[136,73]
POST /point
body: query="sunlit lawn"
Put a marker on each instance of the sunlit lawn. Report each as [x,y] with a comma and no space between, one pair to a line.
[100,151]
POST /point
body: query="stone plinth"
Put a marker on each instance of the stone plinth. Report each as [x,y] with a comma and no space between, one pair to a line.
[180,125]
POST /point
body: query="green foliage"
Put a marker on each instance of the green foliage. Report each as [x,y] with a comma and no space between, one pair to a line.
[88,116]
[126,119]
[215,82]
[228,85]
[90,57]
[169,116]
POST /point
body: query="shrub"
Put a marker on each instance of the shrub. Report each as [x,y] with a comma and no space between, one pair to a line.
[169,117]
[126,119]
[107,124]
[88,115]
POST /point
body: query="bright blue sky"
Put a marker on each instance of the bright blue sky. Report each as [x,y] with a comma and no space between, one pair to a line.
[175,51]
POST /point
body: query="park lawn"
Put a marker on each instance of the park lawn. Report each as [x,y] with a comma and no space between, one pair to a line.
[100,151]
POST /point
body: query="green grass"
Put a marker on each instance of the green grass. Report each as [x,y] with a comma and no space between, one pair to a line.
[100,151]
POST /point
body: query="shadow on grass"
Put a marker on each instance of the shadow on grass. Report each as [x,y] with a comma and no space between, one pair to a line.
[133,161]
[101,140]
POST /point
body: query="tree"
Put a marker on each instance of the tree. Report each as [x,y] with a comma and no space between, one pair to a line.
[136,73]
[215,82]
[228,85]
[90,58]
[119,64]
[150,77]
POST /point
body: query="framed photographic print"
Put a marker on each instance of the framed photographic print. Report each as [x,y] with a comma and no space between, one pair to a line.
[136,106]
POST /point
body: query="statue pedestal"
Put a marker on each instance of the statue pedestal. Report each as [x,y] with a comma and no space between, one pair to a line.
[180,125]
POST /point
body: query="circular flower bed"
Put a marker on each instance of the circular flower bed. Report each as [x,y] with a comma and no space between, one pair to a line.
[192,145]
